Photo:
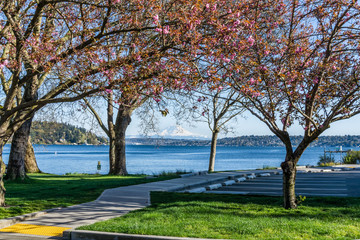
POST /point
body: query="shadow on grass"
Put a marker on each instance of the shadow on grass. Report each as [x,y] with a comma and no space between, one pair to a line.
[263,206]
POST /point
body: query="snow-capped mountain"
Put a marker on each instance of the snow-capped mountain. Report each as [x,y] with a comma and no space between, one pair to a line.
[179,132]
[176,132]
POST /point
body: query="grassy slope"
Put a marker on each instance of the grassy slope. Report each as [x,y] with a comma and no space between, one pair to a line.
[240,217]
[44,191]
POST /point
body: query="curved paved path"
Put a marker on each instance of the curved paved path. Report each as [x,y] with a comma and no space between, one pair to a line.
[112,203]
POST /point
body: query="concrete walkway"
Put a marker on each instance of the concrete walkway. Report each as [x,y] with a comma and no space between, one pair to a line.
[113,203]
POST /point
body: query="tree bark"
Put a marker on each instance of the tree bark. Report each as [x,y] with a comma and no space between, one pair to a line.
[289,177]
[123,120]
[112,158]
[16,164]
[30,159]
[215,134]
[19,144]
[111,134]
[2,172]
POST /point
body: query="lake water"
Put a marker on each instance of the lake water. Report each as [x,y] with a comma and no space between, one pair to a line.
[61,159]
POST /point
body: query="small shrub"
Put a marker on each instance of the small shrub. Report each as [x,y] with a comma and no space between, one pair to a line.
[170,173]
[300,199]
[266,167]
[326,160]
[351,157]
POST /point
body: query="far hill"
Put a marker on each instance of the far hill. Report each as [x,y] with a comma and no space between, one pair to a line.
[61,133]
[250,141]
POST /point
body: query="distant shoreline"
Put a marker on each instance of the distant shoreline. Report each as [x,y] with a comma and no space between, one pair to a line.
[347,141]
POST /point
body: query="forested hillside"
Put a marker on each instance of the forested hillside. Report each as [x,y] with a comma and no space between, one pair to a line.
[60,133]
[251,141]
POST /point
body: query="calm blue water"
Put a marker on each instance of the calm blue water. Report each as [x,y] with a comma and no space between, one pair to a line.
[61,159]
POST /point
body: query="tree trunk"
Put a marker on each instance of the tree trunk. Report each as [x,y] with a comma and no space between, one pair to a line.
[30,160]
[289,177]
[215,134]
[111,134]
[2,172]
[112,159]
[122,122]
[16,164]
[19,144]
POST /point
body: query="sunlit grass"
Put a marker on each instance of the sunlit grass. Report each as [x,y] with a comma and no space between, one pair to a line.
[45,191]
[240,217]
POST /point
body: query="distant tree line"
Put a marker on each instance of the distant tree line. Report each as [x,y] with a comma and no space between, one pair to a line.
[62,133]
[251,141]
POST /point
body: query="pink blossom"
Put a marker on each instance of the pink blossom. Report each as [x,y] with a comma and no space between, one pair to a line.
[251,41]
[207,6]
[157,100]
[334,67]
[267,52]
[237,22]
[138,58]
[108,90]
[158,30]
[229,11]
[347,14]
[316,81]
[263,68]
[298,50]
[156,18]
[166,30]
[252,81]
[256,94]
[220,88]
[227,60]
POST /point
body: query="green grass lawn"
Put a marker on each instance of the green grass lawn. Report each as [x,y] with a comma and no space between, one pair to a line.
[45,191]
[239,217]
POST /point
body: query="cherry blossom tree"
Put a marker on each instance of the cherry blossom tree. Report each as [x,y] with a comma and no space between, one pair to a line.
[298,64]
[56,51]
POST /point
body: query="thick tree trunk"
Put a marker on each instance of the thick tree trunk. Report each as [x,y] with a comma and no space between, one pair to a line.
[289,177]
[16,165]
[19,144]
[122,122]
[30,160]
[2,172]
[215,134]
